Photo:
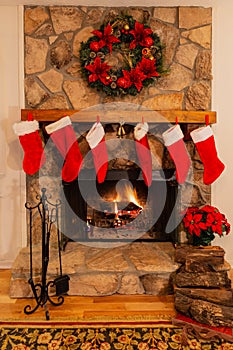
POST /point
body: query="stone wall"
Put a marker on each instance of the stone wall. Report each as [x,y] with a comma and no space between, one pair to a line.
[52,67]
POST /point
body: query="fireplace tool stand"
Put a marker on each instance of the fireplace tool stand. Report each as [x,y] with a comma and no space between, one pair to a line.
[49,215]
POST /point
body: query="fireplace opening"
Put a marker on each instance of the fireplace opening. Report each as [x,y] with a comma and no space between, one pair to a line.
[122,208]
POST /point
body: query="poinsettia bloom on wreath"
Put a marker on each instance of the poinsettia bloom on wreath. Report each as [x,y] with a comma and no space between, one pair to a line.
[134,77]
[141,36]
[106,38]
[99,71]
[148,67]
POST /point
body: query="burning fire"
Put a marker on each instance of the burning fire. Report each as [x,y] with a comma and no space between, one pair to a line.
[123,209]
[126,204]
[126,193]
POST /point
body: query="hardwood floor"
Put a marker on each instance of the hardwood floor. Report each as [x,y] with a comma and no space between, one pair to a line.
[106,308]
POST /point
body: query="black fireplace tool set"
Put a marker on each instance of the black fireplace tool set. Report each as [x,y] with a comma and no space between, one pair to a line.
[49,216]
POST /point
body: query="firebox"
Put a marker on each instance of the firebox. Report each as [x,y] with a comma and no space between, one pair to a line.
[122,208]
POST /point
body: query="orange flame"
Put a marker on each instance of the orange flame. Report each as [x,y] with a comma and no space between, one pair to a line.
[126,193]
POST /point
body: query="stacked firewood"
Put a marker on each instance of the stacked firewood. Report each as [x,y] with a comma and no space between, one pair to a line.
[202,286]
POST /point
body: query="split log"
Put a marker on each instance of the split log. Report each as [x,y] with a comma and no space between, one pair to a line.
[204,311]
[212,256]
[216,296]
[192,265]
[202,279]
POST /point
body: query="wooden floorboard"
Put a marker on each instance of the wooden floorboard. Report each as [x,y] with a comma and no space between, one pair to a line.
[115,307]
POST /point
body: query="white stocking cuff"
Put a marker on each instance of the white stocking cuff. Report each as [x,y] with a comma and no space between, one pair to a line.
[25,127]
[201,134]
[61,123]
[172,135]
[95,135]
[140,130]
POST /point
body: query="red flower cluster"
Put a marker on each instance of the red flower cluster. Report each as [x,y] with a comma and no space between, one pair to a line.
[206,219]
[144,69]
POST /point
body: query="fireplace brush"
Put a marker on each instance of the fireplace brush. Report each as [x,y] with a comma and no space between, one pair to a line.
[49,215]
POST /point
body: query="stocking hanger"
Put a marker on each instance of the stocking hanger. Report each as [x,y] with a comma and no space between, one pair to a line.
[30,117]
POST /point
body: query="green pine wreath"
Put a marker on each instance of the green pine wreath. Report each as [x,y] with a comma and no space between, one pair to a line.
[122,57]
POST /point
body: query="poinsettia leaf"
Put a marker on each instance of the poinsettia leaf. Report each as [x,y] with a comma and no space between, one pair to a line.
[97,33]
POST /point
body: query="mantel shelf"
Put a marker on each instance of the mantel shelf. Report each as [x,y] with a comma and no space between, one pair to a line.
[115,116]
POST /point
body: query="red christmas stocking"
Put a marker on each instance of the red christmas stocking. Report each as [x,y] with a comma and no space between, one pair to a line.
[30,140]
[63,135]
[205,144]
[96,141]
[173,140]
[143,151]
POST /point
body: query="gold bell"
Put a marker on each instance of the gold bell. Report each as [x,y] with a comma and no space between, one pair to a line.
[121,131]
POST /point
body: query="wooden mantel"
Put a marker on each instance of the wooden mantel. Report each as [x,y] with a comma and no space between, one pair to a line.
[115,116]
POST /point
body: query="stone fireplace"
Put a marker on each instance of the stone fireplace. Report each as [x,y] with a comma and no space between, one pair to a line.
[114,234]
[115,262]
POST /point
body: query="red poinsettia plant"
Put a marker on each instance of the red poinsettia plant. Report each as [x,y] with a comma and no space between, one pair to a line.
[204,223]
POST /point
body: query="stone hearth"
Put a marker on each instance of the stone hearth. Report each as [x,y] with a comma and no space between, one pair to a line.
[135,268]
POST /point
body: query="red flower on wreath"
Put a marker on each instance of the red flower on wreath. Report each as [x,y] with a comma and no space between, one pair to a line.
[141,36]
[99,71]
[134,77]
[148,67]
[106,38]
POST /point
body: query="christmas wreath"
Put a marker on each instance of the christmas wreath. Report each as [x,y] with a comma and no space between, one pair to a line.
[121,57]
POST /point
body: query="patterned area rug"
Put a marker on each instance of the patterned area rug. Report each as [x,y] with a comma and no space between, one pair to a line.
[105,336]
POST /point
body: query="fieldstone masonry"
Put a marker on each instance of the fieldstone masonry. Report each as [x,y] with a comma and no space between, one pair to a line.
[52,69]
[136,268]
